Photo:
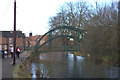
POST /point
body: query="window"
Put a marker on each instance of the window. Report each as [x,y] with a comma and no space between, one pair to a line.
[0,47]
[10,40]
[5,47]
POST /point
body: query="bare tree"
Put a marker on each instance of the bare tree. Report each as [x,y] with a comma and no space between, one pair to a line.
[100,23]
[101,38]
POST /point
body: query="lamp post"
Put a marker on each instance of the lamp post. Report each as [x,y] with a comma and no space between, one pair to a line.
[119,30]
[14,32]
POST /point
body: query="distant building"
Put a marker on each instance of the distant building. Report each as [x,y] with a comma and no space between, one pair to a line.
[32,40]
[7,39]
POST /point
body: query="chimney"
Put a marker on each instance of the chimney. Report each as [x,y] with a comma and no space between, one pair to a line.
[30,34]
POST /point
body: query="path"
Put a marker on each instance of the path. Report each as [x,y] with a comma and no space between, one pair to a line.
[7,66]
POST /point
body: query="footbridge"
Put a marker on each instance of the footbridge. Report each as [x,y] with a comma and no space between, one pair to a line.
[64,38]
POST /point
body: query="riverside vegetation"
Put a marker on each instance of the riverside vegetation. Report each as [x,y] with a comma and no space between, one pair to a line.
[101,25]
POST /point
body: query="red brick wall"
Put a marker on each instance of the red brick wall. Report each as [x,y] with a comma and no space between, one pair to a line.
[26,41]
[5,41]
[19,41]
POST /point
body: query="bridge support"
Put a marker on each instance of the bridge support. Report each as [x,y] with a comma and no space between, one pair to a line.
[50,41]
[79,36]
[75,56]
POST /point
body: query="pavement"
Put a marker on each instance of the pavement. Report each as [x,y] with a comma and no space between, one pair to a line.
[6,66]
[0,66]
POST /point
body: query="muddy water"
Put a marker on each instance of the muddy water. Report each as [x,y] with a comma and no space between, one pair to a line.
[58,65]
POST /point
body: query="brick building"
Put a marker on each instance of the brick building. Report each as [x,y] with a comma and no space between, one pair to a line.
[7,40]
[32,40]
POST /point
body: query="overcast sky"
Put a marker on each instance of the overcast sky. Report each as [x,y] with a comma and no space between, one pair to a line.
[32,15]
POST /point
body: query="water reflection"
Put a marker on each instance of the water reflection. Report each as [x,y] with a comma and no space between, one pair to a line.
[70,63]
[34,68]
[80,57]
[44,71]
[57,65]
[110,72]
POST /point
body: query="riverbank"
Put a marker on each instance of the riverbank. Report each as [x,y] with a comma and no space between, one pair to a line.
[112,59]
[108,59]
[21,69]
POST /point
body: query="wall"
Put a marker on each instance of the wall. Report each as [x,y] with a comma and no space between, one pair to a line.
[7,42]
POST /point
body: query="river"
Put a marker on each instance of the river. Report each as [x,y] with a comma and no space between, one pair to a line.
[58,65]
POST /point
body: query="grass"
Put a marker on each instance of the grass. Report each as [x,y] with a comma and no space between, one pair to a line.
[111,59]
[20,71]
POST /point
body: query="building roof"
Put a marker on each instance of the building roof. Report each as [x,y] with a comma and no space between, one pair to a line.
[35,38]
[8,34]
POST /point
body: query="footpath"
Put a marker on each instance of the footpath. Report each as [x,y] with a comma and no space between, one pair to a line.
[7,66]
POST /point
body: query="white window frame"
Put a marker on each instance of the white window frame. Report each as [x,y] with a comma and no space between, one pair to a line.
[5,47]
[0,47]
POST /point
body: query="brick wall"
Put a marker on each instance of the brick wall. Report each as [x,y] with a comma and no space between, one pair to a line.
[19,41]
[7,42]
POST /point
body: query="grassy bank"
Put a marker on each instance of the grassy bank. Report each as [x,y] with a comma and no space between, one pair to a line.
[111,59]
[21,70]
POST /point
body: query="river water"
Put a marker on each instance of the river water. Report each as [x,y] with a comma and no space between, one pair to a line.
[58,65]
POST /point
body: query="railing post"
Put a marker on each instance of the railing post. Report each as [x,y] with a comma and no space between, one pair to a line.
[35,49]
[78,40]
[50,41]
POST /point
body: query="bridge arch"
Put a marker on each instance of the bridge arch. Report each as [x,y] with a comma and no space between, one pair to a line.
[50,32]
[59,37]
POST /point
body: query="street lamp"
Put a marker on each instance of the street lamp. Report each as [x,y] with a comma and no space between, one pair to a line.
[14,32]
